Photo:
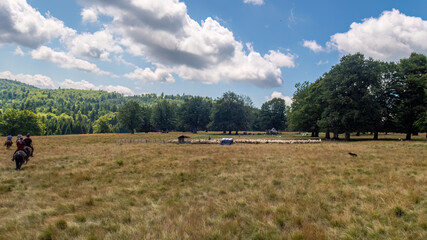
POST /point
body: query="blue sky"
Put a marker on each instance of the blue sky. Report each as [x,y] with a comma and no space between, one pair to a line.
[258,48]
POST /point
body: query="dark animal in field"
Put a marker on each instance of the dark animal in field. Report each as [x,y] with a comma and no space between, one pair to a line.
[29,151]
[352,154]
[20,157]
[8,144]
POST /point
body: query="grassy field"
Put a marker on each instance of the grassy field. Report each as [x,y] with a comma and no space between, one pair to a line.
[91,187]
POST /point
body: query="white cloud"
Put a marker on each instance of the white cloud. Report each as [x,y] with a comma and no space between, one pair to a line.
[147,75]
[23,25]
[313,46]
[159,31]
[254,2]
[98,45]
[18,51]
[85,85]
[162,33]
[65,60]
[322,62]
[89,15]
[37,80]
[275,94]
[390,37]
[280,59]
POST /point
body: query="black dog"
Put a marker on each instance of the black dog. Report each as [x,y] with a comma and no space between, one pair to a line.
[352,154]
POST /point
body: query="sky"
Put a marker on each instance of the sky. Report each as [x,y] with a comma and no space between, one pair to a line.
[256,48]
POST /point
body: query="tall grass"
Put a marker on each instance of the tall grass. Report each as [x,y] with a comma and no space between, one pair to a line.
[90,187]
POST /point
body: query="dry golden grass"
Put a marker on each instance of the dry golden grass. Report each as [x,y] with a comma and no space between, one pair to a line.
[89,187]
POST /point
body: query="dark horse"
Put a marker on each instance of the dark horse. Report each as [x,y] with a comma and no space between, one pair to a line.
[20,158]
[8,144]
[29,151]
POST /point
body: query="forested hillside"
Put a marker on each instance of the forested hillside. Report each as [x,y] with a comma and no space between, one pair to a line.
[71,111]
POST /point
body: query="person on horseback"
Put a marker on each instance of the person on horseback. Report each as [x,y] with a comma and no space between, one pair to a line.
[29,142]
[8,142]
[20,144]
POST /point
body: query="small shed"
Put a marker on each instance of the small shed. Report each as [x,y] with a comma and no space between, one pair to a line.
[181,139]
[226,141]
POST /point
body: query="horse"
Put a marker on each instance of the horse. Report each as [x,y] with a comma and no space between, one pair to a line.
[29,151]
[20,158]
[8,144]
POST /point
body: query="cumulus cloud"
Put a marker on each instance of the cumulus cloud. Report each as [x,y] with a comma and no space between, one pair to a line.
[89,15]
[313,46]
[85,85]
[162,32]
[280,59]
[147,75]
[65,60]
[390,37]
[96,45]
[158,31]
[254,2]
[275,94]
[37,80]
[22,24]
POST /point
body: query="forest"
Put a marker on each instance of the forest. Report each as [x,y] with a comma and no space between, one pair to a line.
[357,95]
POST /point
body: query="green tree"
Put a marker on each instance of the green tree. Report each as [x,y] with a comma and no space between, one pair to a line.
[130,115]
[306,108]
[230,113]
[411,89]
[16,121]
[163,116]
[145,124]
[273,114]
[347,91]
[103,125]
[195,113]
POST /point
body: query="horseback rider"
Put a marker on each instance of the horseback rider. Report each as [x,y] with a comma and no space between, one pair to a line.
[29,142]
[8,140]
[20,144]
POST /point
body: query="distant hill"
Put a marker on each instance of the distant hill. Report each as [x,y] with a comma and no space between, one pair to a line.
[66,111]
[9,84]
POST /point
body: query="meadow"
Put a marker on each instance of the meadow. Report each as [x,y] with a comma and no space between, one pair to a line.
[91,187]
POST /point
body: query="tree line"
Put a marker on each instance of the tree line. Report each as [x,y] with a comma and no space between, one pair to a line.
[356,95]
[70,111]
[364,95]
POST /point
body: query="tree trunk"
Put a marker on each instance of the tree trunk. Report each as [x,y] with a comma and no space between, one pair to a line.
[347,136]
[336,135]
[358,134]
[224,132]
[408,136]
[312,134]
[328,135]
[237,132]
[375,135]
[316,134]
[229,132]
